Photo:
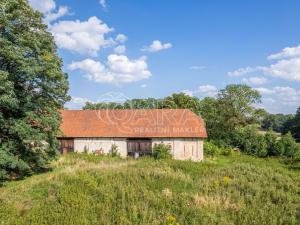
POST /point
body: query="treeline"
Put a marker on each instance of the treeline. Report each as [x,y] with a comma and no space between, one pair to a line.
[231,119]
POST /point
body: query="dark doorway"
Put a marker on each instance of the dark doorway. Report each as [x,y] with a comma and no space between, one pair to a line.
[66,145]
[139,147]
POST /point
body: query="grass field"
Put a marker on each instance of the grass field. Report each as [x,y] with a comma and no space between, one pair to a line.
[86,189]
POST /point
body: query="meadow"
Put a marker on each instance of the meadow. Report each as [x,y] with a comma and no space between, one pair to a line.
[88,189]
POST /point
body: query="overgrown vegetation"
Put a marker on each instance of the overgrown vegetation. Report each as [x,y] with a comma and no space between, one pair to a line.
[32,89]
[162,151]
[89,189]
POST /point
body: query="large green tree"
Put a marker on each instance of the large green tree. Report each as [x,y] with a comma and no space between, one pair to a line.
[33,88]
[296,125]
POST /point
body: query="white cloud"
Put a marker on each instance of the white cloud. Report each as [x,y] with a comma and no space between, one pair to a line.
[197,67]
[207,90]
[287,52]
[47,7]
[188,92]
[121,38]
[143,85]
[120,49]
[44,6]
[280,99]
[157,46]
[286,69]
[86,37]
[62,11]
[77,103]
[255,80]
[243,71]
[118,69]
[103,3]
[202,91]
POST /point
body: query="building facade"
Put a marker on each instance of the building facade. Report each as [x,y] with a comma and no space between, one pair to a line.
[134,132]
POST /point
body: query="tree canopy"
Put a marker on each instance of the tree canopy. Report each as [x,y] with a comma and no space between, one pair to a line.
[33,88]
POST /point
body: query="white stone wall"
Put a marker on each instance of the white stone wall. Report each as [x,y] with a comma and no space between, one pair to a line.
[182,148]
[93,144]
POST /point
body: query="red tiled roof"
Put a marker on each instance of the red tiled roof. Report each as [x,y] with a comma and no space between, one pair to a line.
[132,123]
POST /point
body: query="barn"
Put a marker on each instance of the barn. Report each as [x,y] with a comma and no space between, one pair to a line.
[133,131]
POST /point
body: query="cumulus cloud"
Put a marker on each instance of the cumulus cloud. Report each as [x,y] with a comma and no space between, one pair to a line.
[77,103]
[280,99]
[63,10]
[255,80]
[48,7]
[157,46]
[84,37]
[120,49]
[287,52]
[44,6]
[202,91]
[118,69]
[121,38]
[286,67]
[188,92]
[242,71]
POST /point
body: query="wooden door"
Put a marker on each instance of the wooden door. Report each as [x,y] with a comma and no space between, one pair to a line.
[140,146]
[66,145]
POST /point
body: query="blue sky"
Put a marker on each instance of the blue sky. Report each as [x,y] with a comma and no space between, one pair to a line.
[119,49]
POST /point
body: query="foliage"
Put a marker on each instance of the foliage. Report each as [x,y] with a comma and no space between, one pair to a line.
[33,88]
[211,149]
[88,189]
[251,142]
[295,130]
[277,122]
[271,143]
[290,147]
[162,151]
[114,151]
[175,101]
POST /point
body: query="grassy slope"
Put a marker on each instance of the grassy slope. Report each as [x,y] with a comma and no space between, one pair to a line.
[93,190]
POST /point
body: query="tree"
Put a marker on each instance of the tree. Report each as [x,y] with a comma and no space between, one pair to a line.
[33,88]
[296,125]
[211,112]
[181,101]
[277,122]
[289,145]
[232,109]
[237,104]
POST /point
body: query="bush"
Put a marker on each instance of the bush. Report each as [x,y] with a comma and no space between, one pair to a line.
[162,151]
[271,142]
[251,142]
[227,151]
[289,146]
[114,152]
[211,149]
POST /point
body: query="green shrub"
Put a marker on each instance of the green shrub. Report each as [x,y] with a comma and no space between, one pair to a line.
[251,142]
[227,151]
[114,151]
[211,149]
[289,145]
[162,151]
[271,142]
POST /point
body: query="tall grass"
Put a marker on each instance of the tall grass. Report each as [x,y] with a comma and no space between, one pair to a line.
[86,189]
